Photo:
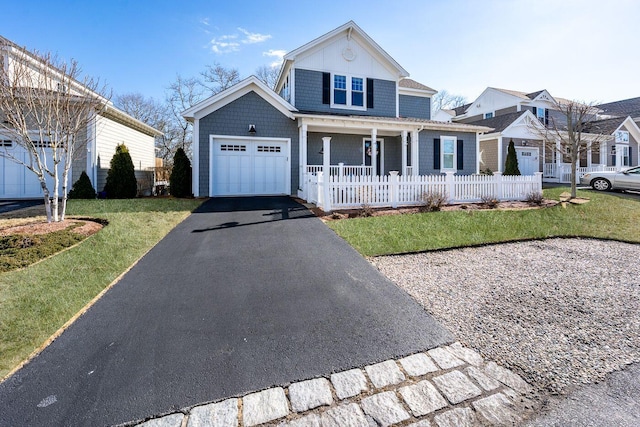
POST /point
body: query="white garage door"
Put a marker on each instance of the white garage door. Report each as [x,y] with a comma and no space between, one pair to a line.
[16,181]
[249,167]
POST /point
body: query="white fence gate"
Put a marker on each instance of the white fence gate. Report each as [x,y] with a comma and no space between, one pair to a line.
[339,192]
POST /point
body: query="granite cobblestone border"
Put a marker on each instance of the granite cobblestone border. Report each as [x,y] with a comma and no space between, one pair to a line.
[447,386]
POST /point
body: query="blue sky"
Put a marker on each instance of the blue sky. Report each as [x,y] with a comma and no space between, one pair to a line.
[578,49]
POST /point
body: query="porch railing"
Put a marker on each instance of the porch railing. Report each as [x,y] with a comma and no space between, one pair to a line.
[562,171]
[338,192]
[341,169]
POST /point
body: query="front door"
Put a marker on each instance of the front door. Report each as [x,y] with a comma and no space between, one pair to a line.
[527,160]
[367,153]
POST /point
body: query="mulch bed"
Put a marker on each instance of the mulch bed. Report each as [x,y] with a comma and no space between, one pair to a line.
[356,213]
[85,227]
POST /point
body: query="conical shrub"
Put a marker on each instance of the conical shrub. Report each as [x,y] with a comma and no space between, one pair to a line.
[82,188]
[180,179]
[121,179]
[511,165]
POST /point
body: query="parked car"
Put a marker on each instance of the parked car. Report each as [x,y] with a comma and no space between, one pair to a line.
[623,180]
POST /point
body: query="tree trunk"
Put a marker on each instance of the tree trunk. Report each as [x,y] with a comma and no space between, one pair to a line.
[574,161]
[65,177]
[55,192]
[47,202]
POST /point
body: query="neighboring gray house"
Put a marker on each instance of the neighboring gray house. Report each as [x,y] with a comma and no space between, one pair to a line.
[251,140]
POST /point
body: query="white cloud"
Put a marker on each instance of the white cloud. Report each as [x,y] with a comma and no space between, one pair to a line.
[275,53]
[223,44]
[205,21]
[252,38]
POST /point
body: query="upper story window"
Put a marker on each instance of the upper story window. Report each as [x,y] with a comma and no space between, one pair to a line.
[340,90]
[357,91]
[488,115]
[348,92]
[285,92]
[542,114]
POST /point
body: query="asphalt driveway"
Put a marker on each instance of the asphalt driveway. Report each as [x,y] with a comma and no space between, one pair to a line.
[245,294]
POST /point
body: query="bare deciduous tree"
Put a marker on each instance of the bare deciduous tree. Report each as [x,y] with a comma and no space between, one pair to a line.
[568,134]
[268,75]
[46,107]
[181,95]
[446,100]
[218,78]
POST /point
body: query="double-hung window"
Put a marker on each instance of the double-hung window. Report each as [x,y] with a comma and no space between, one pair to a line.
[448,152]
[348,92]
[357,92]
[540,114]
[340,89]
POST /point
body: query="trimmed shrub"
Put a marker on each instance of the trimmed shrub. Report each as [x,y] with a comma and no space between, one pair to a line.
[180,179]
[490,201]
[511,165]
[535,198]
[121,179]
[82,188]
[432,201]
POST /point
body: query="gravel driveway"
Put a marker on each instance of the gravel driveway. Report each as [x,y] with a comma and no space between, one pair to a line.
[559,312]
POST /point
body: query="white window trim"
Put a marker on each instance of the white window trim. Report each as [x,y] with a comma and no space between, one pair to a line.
[455,153]
[348,105]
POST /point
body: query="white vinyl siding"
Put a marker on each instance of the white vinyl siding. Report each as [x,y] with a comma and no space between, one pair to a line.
[109,134]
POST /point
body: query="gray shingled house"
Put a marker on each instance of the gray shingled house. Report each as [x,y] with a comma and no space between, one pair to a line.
[252,140]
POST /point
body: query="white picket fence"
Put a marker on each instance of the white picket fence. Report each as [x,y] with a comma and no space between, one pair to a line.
[341,192]
[562,172]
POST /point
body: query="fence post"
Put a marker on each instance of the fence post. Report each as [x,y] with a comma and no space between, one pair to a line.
[340,170]
[538,177]
[498,178]
[393,188]
[451,192]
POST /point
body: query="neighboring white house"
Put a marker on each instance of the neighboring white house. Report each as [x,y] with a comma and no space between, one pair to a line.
[104,133]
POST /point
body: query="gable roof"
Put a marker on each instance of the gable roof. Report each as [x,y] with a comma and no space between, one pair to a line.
[462,109]
[348,28]
[412,84]
[503,123]
[250,84]
[609,126]
[109,111]
[499,123]
[625,107]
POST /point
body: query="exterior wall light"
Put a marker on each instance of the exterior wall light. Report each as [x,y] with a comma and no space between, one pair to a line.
[252,129]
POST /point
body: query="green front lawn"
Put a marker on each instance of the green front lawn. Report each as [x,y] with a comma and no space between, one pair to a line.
[607,215]
[38,300]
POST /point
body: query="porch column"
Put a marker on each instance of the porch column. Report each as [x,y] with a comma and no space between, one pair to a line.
[559,158]
[415,158]
[603,153]
[302,137]
[374,152]
[326,169]
[589,154]
[500,157]
[404,152]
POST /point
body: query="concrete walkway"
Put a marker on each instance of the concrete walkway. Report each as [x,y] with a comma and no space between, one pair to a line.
[244,295]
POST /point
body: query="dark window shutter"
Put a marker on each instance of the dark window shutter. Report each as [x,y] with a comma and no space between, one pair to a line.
[326,88]
[630,157]
[369,93]
[534,110]
[436,153]
[460,154]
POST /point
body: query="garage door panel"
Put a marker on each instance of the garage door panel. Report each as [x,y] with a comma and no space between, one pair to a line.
[19,182]
[249,168]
